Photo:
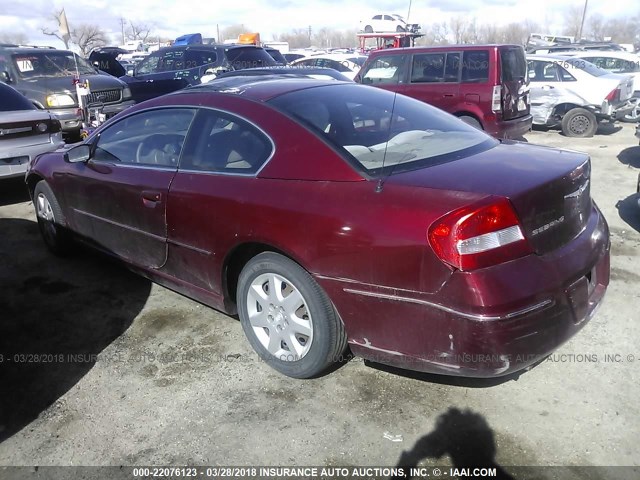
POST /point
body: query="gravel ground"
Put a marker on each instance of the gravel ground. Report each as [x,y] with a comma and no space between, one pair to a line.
[135,374]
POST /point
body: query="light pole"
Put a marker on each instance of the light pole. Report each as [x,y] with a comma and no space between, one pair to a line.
[584,14]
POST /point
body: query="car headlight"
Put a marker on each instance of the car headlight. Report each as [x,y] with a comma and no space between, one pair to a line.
[60,100]
[126,93]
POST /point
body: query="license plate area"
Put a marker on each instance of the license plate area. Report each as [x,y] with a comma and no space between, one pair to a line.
[578,296]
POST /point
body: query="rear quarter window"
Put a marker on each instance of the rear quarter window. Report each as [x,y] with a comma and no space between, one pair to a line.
[513,64]
[475,66]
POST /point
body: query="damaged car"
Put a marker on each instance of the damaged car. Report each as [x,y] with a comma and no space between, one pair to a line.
[575,94]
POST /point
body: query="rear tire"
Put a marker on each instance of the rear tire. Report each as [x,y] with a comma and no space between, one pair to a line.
[399,29]
[471,121]
[579,123]
[287,317]
[51,221]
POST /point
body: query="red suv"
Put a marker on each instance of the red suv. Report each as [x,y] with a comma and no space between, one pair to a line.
[484,85]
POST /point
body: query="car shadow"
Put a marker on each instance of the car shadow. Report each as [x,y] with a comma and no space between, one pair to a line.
[450,380]
[605,128]
[465,436]
[13,190]
[629,211]
[630,156]
[57,316]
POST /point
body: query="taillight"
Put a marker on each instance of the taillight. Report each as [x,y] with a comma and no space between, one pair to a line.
[496,99]
[479,235]
[614,95]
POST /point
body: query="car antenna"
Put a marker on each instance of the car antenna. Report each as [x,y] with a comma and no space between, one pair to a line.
[386,145]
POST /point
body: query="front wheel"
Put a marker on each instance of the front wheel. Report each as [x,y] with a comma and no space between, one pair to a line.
[634,115]
[287,317]
[51,220]
[580,123]
[368,29]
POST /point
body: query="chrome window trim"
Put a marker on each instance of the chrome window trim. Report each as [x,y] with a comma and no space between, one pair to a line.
[238,174]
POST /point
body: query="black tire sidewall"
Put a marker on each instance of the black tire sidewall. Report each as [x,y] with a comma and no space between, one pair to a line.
[571,114]
[59,243]
[320,354]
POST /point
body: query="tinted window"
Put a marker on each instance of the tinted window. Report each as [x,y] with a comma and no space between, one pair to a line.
[308,62]
[379,130]
[475,66]
[358,60]
[428,68]
[220,142]
[149,138]
[198,58]
[513,65]
[339,66]
[163,61]
[384,70]
[249,57]
[56,63]
[12,100]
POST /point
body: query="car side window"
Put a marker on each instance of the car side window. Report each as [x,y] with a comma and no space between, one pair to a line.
[475,66]
[540,71]
[564,74]
[223,143]
[428,68]
[152,138]
[377,17]
[386,69]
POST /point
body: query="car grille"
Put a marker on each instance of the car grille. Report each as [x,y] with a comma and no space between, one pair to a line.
[104,96]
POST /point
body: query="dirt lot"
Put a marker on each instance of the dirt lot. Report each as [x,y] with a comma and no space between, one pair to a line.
[133,373]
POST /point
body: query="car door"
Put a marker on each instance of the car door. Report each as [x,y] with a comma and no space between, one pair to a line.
[118,198]
[546,89]
[221,158]
[161,72]
[434,79]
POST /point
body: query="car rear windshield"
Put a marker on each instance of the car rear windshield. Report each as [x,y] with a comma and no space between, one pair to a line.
[56,63]
[513,64]
[249,57]
[570,62]
[12,100]
[380,131]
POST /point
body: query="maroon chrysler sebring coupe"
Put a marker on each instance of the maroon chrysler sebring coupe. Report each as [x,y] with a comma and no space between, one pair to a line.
[333,216]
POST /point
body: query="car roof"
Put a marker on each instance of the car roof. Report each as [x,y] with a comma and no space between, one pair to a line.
[22,50]
[285,71]
[410,50]
[260,88]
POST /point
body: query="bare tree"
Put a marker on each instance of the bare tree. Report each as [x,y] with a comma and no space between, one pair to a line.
[138,31]
[55,32]
[595,28]
[19,38]
[233,31]
[297,38]
[572,21]
[88,37]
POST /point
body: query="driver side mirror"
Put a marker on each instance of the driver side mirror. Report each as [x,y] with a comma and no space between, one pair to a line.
[5,77]
[131,71]
[78,154]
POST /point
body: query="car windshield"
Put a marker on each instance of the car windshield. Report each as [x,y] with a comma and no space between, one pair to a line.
[175,59]
[378,130]
[57,63]
[249,57]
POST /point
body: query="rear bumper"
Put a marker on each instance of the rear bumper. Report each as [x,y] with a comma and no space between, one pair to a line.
[15,161]
[514,314]
[513,129]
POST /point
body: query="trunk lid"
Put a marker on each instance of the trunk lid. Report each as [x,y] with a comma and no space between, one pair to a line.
[514,82]
[549,188]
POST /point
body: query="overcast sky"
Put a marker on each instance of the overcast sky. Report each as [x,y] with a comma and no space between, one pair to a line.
[172,18]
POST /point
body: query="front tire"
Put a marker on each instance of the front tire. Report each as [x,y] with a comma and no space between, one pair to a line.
[469,120]
[51,221]
[368,29]
[579,123]
[287,317]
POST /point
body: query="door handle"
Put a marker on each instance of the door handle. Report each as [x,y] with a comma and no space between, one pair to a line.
[548,87]
[151,198]
[448,95]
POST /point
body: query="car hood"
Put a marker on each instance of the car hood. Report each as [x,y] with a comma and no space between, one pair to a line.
[23,116]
